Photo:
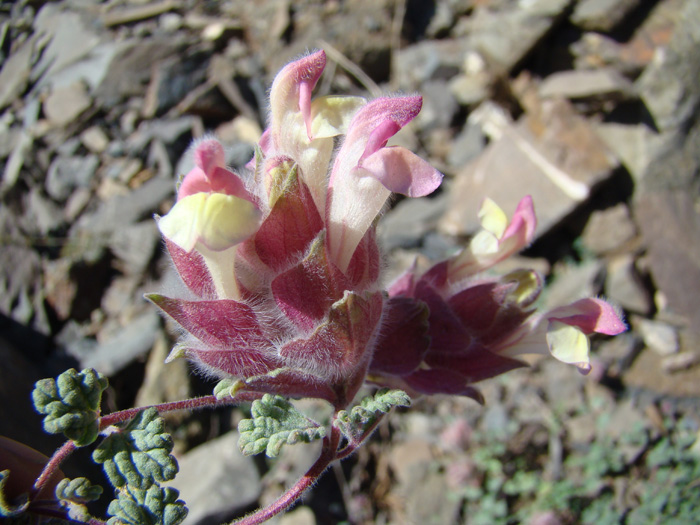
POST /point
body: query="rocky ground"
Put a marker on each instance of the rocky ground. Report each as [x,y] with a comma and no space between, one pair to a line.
[590,106]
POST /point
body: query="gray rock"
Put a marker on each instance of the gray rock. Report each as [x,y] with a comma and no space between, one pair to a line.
[660,337]
[216,481]
[94,139]
[429,60]
[574,282]
[68,173]
[609,230]
[466,146]
[592,83]
[109,356]
[166,130]
[665,202]
[121,211]
[669,85]
[70,40]
[128,67]
[624,286]
[601,15]
[163,382]
[552,155]
[504,37]
[408,222]
[135,246]
[41,215]
[22,147]
[439,106]
[65,104]
[634,145]
[16,70]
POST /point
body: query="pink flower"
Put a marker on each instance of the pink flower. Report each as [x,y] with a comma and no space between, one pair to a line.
[444,333]
[282,266]
[281,261]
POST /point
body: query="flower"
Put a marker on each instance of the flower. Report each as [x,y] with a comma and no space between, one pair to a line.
[282,267]
[281,260]
[455,329]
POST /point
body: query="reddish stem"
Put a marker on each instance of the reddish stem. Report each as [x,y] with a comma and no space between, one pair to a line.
[184,404]
[328,455]
[50,468]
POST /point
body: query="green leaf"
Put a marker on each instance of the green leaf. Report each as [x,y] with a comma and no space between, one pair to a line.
[7,508]
[78,490]
[71,404]
[275,423]
[227,388]
[362,417]
[154,506]
[139,454]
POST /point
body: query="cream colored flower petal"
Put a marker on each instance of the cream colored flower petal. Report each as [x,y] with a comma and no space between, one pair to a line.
[492,218]
[331,115]
[216,220]
[569,345]
[484,243]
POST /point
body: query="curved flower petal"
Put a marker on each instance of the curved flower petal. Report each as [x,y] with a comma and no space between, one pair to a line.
[569,345]
[210,173]
[365,173]
[291,91]
[216,220]
[590,315]
[402,171]
[496,241]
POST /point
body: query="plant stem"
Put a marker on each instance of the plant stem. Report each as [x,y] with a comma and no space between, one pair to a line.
[50,468]
[328,455]
[184,404]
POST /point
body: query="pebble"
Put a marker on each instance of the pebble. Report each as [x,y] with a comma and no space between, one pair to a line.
[216,481]
[69,173]
[658,336]
[65,104]
[94,139]
[624,285]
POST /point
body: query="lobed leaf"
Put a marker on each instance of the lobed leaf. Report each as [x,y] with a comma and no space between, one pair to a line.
[139,454]
[275,423]
[71,404]
[7,508]
[154,506]
[362,417]
[78,490]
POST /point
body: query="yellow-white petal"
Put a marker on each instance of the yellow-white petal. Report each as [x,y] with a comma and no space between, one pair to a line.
[568,344]
[484,243]
[492,218]
[216,220]
[331,115]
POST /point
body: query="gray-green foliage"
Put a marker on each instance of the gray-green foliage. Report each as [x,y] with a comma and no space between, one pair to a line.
[275,422]
[78,490]
[7,508]
[660,480]
[136,459]
[139,454]
[363,416]
[71,404]
[154,506]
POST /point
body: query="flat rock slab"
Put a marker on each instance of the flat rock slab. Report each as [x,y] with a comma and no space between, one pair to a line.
[216,480]
[551,154]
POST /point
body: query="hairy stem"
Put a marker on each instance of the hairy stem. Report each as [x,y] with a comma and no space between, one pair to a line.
[52,466]
[328,455]
[184,404]
[354,444]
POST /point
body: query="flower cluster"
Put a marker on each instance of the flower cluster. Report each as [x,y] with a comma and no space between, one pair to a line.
[283,268]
